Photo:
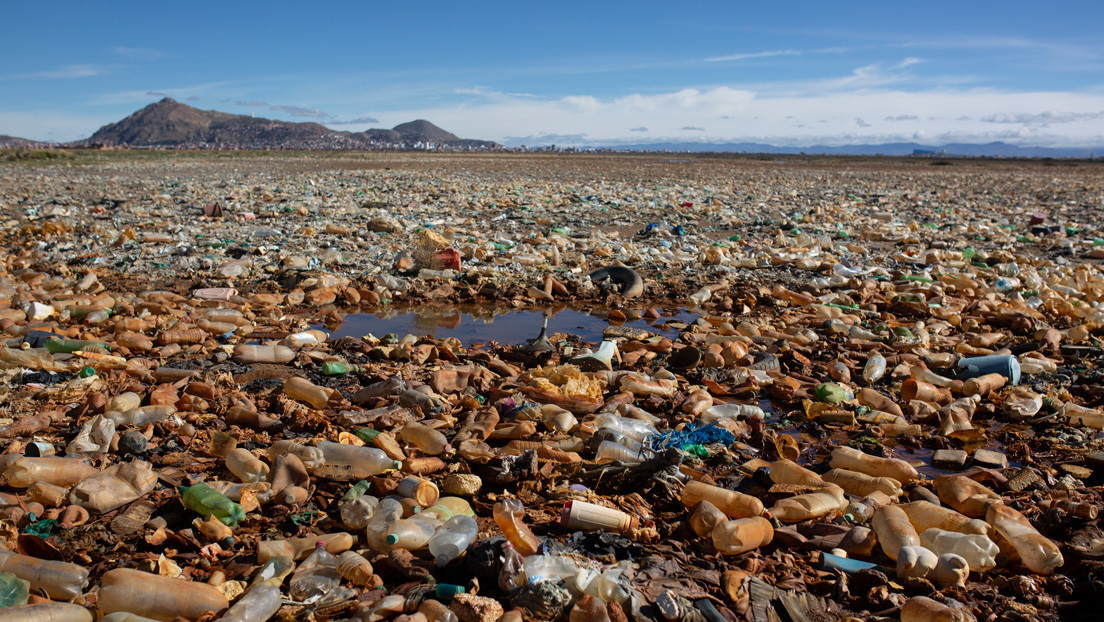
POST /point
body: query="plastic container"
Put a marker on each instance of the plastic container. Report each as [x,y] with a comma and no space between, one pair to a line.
[388,511]
[311,457]
[925,515]
[983,385]
[968,496]
[115,487]
[247,354]
[447,507]
[246,466]
[157,597]
[298,548]
[510,515]
[789,472]
[258,605]
[1004,364]
[412,533]
[13,590]
[874,369]
[357,512]
[317,580]
[205,500]
[951,570]
[855,460]
[979,551]
[141,416]
[1036,552]
[924,609]
[60,580]
[356,569]
[609,451]
[732,411]
[633,428]
[303,390]
[894,530]
[705,518]
[861,484]
[809,505]
[742,535]
[1079,415]
[733,504]
[351,462]
[452,539]
[589,516]
[425,438]
[915,561]
[436,611]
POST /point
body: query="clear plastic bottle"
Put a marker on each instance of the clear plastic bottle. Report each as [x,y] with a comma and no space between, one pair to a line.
[609,451]
[862,510]
[633,428]
[447,507]
[115,487]
[588,609]
[742,535]
[874,369]
[894,530]
[317,580]
[46,612]
[298,548]
[356,569]
[61,580]
[861,484]
[809,505]
[352,462]
[303,390]
[388,511]
[258,605]
[733,504]
[732,411]
[924,515]
[429,440]
[245,466]
[311,457]
[510,516]
[705,519]
[538,568]
[412,533]
[155,596]
[855,460]
[1036,552]
[978,550]
[452,539]
[245,353]
[356,513]
[143,415]
[1079,415]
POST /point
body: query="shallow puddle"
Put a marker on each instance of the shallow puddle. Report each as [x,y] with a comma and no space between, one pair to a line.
[477,324]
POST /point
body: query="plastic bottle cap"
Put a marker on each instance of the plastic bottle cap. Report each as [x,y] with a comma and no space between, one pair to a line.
[392,539]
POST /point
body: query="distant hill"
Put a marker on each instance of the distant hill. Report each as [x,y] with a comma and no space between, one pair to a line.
[14,142]
[169,123]
[994,149]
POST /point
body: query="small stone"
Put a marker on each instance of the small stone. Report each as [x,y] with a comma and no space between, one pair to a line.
[990,459]
[952,459]
[461,484]
[472,608]
[133,442]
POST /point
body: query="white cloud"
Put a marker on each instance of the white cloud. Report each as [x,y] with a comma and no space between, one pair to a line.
[137,53]
[749,55]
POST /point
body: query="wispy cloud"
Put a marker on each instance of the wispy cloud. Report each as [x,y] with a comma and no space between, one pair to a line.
[295,111]
[137,53]
[638,129]
[1043,118]
[691,128]
[356,121]
[68,72]
[750,55]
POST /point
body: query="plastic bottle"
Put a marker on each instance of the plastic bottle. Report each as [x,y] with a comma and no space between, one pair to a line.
[609,451]
[143,415]
[337,368]
[388,511]
[894,530]
[356,569]
[205,500]
[855,460]
[351,462]
[809,505]
[155,596]
[951,570]
[452,539]
[633,428]
[245,466]
[303,390]
[1037,553]
[13,590]
[789,472]
[244,353]
[298,548]
[589,516]
[412,533]
[357,512]
[429,440]
[311,457]
[1079,415]
[915,562]
[68,346]
[436,611]
[52,470]
[983,385]
[732,411]
[742,535]
[115,487]
[510,514]
[924,609]
[61,580]
[733,504]
[925,515]
[316,579]
[447,507]
[46,612]
[538,568]
[978,550]
[705,518]
[874,369]
[258,605]
[862,510]
[94,437]
[861,484]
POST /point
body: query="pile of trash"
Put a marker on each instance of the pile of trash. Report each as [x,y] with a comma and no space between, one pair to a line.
[869,418]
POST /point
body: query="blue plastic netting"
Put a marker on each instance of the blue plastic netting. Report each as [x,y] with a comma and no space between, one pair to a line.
[692,434]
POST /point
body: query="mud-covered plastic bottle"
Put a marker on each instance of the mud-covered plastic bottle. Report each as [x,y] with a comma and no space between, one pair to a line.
[356,569]
[447,507]
[155,596]
[259,605]
[632,428]
[412,533]
[429,440]
[60,580]
[246,353]
[733,504]
[855,460]
[742,535]
[452,539]
[809,505]
[245,466]
[52,470]
[978,550]
[861,484]
[205,500]
[348,462]
[311,457]
[874,369]
[924,515]
[303,390]
[436,611]
[1036,552]
[509,514]
[924,609]
[317,579]
[705,519]
[46,612]
[894,530]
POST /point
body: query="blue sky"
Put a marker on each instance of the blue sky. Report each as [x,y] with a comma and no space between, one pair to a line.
[794,73]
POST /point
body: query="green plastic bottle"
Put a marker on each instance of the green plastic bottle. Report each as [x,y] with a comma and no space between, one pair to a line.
[336,368]
[205,500]
[68,346]
[359,489]
[13,590]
